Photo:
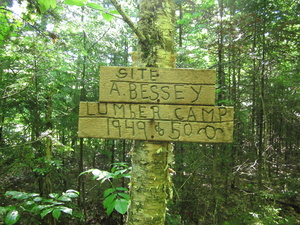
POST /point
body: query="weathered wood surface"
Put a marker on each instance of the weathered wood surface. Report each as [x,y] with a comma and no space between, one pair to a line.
[159,122]
[157,85]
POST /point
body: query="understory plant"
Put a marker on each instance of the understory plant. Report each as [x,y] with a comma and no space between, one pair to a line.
[115,198]
[35,205]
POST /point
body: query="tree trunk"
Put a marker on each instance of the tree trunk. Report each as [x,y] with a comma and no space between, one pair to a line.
[150,180]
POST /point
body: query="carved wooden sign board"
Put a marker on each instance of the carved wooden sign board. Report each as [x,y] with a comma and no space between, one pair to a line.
[156,104]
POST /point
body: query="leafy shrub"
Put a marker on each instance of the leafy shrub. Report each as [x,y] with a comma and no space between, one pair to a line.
[34,204]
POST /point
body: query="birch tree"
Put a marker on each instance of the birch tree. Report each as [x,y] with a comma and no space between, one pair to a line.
[150,179]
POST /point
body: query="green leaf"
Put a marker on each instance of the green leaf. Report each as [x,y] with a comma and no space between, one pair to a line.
[54,195]
[2,211]
[12,217]
[72,193]
[110,208]
[33,195]
[95,6]
[161,149]
[64,199]
[109,203]
[16,195]
[38,199]
[41,207]
[29,204]
[122,189]
[114,12]
[108,192]
[48,200]
[56,213]
[52,3]
[107,17]
[87,171]
[65,210]
[125,196]
[46,211]
[108,200]
[44,5]
[121,205]
[75,2]
[100,174]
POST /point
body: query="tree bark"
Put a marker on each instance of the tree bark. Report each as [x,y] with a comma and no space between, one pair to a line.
[150,180]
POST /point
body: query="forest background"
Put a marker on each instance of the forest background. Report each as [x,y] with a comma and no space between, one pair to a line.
[50,60]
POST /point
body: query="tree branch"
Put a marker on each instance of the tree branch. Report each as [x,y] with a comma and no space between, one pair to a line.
[128,21]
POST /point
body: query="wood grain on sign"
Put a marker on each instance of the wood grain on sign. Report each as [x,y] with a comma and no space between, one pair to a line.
[158,122]
[157,85]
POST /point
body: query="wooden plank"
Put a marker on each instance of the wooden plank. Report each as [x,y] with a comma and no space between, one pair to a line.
[157,122]
[155,130]
[157,85]
[193,113]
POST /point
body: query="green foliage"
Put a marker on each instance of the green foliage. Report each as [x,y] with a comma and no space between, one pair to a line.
[75,2]
[12,217]
[253,45]
[115,198]
[45,5]
[36,205]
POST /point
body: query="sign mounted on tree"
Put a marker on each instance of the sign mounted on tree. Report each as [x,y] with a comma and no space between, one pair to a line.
[157,85]
[156,104]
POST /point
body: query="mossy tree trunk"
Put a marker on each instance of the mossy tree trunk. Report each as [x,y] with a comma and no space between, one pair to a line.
[150,180]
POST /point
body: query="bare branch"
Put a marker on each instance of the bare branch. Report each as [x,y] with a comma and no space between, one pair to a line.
[128,20]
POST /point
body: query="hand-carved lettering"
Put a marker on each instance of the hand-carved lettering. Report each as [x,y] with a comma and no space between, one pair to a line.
[107,125]
[116,124]
[122,73]
[132,89]
[89,110]
[197,92]
[163,88]
[130,127]
[177,114]
[222,112]
[153,74]
[210,131]
[102,110]
[117,109]
[114,87]
[153,89]
[206,113]
[141,69]
[143,91]
[132,113]
[175,132]
[188,129]
[159,130]
[178,91]
[155,110]
[142,111]
[191,115]
[141,125]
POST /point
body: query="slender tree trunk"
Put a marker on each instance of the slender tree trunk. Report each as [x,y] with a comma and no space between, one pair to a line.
[2,116]
[261,113]
[221,72]
[48,182]
[2,119]
[81,184]
[49,125]
[150,180]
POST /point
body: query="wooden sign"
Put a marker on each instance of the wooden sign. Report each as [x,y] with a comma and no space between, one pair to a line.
[156,104]
[157,85]
[159,122]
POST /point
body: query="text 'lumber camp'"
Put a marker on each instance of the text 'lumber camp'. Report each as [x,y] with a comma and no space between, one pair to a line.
[159,122]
